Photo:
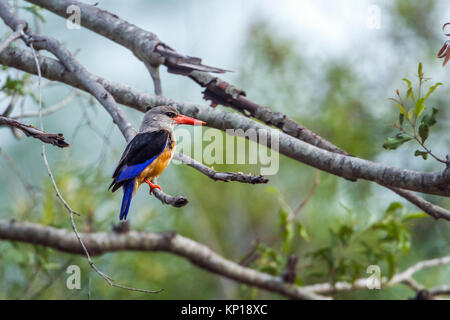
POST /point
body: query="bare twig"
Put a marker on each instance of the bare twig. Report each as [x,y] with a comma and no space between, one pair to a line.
[52,109]
[12,37]
[11,105]
[440,290]
[30,131]
[408,273]
[308,196]
[175,201]
[154,73]
[247,258]
[90,284]
[221,176]
[50,281]
[290,272]
[11,165]
[429,208]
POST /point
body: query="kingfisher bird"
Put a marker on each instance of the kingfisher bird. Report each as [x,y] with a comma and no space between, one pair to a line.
[148,153]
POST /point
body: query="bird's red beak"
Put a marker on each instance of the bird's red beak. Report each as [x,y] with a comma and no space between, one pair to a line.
[187,120]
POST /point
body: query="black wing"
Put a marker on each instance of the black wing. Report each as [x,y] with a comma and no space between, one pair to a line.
[139,153]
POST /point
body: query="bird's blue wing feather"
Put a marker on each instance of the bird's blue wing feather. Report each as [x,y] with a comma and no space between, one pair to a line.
[129,172]
[132,171]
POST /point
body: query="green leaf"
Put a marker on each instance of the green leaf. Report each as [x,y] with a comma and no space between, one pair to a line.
[284,216]
[394,206]
[302,231]
[419,107]
[407,82]
[423,154]
[430,119]
[271,189]
[402,110]
[390,260]
[408,93]
[35,10]
[417,215]
[51,266]
[410,113]
[401,118]
[395,142]
[410,89]
[431,90]
[287,228]
[424,132]
[345,233]
[13,86]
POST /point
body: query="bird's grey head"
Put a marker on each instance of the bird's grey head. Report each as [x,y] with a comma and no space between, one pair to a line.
[157,118]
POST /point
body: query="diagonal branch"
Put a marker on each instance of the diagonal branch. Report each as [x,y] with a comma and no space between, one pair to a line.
[12,37]
[221,176]
[56,139]
[154,73]
[150,50]
[341,165]
[104,242]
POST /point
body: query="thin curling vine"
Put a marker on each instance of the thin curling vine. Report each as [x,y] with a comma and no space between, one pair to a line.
[419,119]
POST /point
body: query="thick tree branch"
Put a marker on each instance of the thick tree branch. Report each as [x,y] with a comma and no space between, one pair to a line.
[150,50]
[102,242]
[431,209]
[218,91]
[146,45]
[56,139]
[345,166]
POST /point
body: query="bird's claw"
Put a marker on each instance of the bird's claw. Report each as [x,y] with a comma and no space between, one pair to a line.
[152,185]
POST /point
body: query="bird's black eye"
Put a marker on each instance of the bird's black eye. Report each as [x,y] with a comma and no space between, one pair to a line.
[171,114]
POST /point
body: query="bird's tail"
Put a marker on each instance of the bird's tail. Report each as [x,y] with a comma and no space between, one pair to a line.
[126,200]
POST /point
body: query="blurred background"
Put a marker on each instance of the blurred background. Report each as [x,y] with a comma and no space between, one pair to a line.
[329,65]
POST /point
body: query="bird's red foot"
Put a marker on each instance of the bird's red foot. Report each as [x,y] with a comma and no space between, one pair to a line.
[152,185]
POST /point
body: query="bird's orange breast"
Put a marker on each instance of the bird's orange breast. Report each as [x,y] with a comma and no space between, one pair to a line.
[158,165]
